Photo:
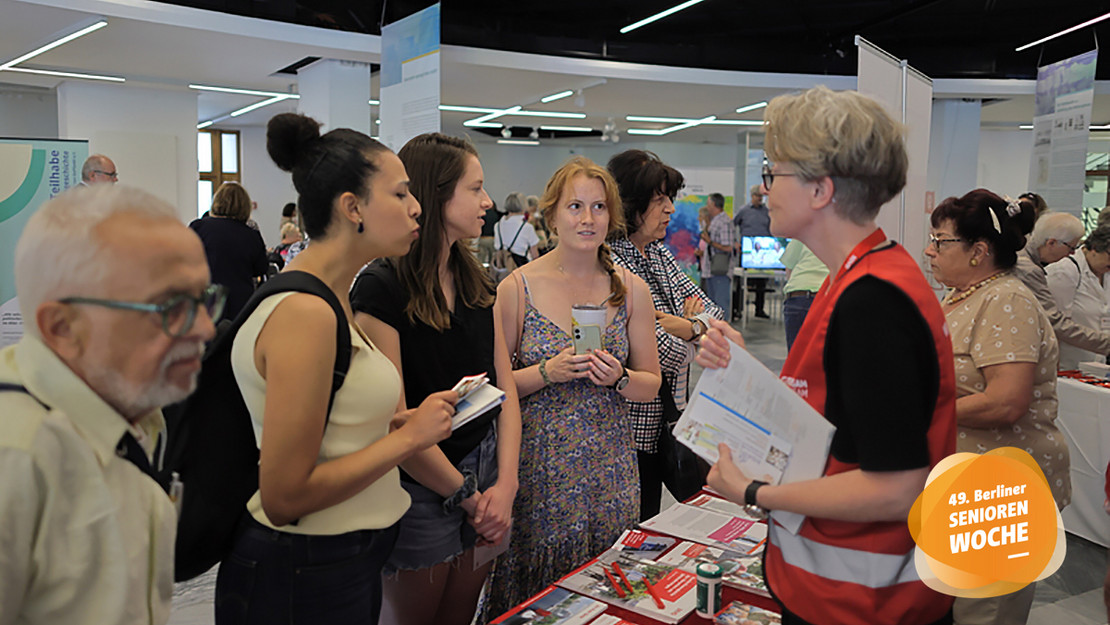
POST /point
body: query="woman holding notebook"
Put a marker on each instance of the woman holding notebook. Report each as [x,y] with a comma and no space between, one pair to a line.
[431,313]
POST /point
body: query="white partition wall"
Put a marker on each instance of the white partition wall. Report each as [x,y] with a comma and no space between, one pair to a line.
[908,95]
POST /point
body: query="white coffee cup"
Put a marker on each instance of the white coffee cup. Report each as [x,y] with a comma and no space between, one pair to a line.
[586,314]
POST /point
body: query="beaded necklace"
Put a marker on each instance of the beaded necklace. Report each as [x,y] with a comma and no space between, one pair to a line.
[954,297]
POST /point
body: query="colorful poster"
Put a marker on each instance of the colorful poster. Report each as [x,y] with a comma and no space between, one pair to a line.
[1065,96]
[684,231]
[31,172]
[410,77]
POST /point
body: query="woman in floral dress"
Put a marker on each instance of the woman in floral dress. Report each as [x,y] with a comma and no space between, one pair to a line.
[579,484]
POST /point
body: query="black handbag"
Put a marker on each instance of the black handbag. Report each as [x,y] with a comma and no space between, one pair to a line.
[684,472]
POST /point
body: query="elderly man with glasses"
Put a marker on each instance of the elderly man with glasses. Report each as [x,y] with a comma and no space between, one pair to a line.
[98,169]
[1055,236]
[116,303]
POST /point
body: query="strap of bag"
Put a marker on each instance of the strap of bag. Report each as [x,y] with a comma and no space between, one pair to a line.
[16,388]
[513,242]
[519,313]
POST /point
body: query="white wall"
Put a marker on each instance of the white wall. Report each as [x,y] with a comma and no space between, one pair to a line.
[1004,161]
[526,169]
[149,133]
[953,148]
[28,112]
[267,185]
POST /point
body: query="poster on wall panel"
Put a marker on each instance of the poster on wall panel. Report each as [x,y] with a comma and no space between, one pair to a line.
[684,231]
[31,172]
[1065,96]
[410,77]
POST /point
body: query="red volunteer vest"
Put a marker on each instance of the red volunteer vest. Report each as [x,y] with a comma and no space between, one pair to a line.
[861,573]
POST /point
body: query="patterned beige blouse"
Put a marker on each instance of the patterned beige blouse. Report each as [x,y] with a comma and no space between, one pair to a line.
[999,323]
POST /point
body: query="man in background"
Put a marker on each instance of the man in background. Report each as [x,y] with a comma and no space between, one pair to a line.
[98,169]
[116,303]
[753,220]
[721,239]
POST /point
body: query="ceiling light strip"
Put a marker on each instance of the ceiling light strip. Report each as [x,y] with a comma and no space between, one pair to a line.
[258,105]
[466,109]
[1064,32]
[557,96]
[54,44]
[255,92]
[203,125]
[517,142]
[568,128]
[659,16]
[751,107]
[47,72]
[493,115]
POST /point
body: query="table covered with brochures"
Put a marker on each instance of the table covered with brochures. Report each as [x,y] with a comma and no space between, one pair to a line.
[649,575]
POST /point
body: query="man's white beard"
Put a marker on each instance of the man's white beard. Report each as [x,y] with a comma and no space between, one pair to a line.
[132,400]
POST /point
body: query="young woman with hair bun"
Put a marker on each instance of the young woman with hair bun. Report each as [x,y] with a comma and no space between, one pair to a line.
[579,483]
[314,538]
[431,312]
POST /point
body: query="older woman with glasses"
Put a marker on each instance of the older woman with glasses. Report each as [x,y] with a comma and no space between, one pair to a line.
[1005,354]
[872,356]
[1076,285]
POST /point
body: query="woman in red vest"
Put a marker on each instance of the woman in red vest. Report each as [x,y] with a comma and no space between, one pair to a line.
[873,357]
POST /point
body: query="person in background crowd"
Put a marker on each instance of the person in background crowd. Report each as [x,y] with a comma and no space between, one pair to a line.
[536,219]
[703,247]
[437,300]
[1077,287]
[485,240]
[314,538]
[753,220]
[235,251]
[579,487]
[98,169]
[117,306]
[288,216]
[1005,355]
[721,238]
[1055,236]
[290,234]
[648,187]
[1103,217]
[514,233]
[1040,207]
[873,356]
[805,273]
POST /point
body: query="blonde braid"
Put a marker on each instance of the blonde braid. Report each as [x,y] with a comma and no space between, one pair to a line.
[617,288]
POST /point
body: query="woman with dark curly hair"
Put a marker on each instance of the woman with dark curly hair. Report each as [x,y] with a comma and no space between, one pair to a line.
[1005,354]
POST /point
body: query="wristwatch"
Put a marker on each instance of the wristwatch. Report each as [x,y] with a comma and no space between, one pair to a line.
[697,326]
[750,506]
[621,381]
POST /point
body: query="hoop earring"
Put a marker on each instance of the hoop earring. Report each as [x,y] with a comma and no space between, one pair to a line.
[360,227]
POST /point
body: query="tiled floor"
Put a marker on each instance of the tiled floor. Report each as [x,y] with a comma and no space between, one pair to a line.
[1072,596]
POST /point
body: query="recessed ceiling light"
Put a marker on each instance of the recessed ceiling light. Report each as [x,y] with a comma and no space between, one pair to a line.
[557,96]
[48,72]
[659,16]
[1064,32]
[203,125]
[517,142]
[466,109]
[751,107]
[568,128]
[54,44]
[374,102]
[1026,126]
[264,94]
[258,105]
[493,115]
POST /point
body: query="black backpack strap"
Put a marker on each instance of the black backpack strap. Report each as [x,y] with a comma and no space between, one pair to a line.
[16,388]
[303,282]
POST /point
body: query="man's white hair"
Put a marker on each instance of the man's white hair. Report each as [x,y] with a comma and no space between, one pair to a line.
[59,255]
[1060,226]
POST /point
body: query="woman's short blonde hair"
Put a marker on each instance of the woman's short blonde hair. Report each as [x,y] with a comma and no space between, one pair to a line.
[844,135]
[232,201]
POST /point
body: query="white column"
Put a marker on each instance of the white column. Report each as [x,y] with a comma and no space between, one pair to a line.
[150,134]
[953,148]
[336,94]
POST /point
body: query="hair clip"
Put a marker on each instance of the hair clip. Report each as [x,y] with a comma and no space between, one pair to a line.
[1012,207]
[994,220]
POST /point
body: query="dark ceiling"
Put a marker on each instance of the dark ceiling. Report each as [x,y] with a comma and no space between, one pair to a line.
[942,38]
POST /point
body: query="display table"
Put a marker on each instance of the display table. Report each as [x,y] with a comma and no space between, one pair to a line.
[1084,418]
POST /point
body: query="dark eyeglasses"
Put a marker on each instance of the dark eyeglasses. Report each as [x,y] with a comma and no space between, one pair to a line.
[1067,245]
[179,313]
[114,175]
[769,176]
[936,241]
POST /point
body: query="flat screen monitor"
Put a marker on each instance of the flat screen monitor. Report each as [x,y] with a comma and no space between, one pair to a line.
[762,252]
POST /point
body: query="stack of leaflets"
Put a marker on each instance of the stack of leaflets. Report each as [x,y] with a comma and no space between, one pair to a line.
[554,606]
[739,570]
[700,522]
[609,619]
[476,397]
[743,614]
[642,545]
[619,579]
